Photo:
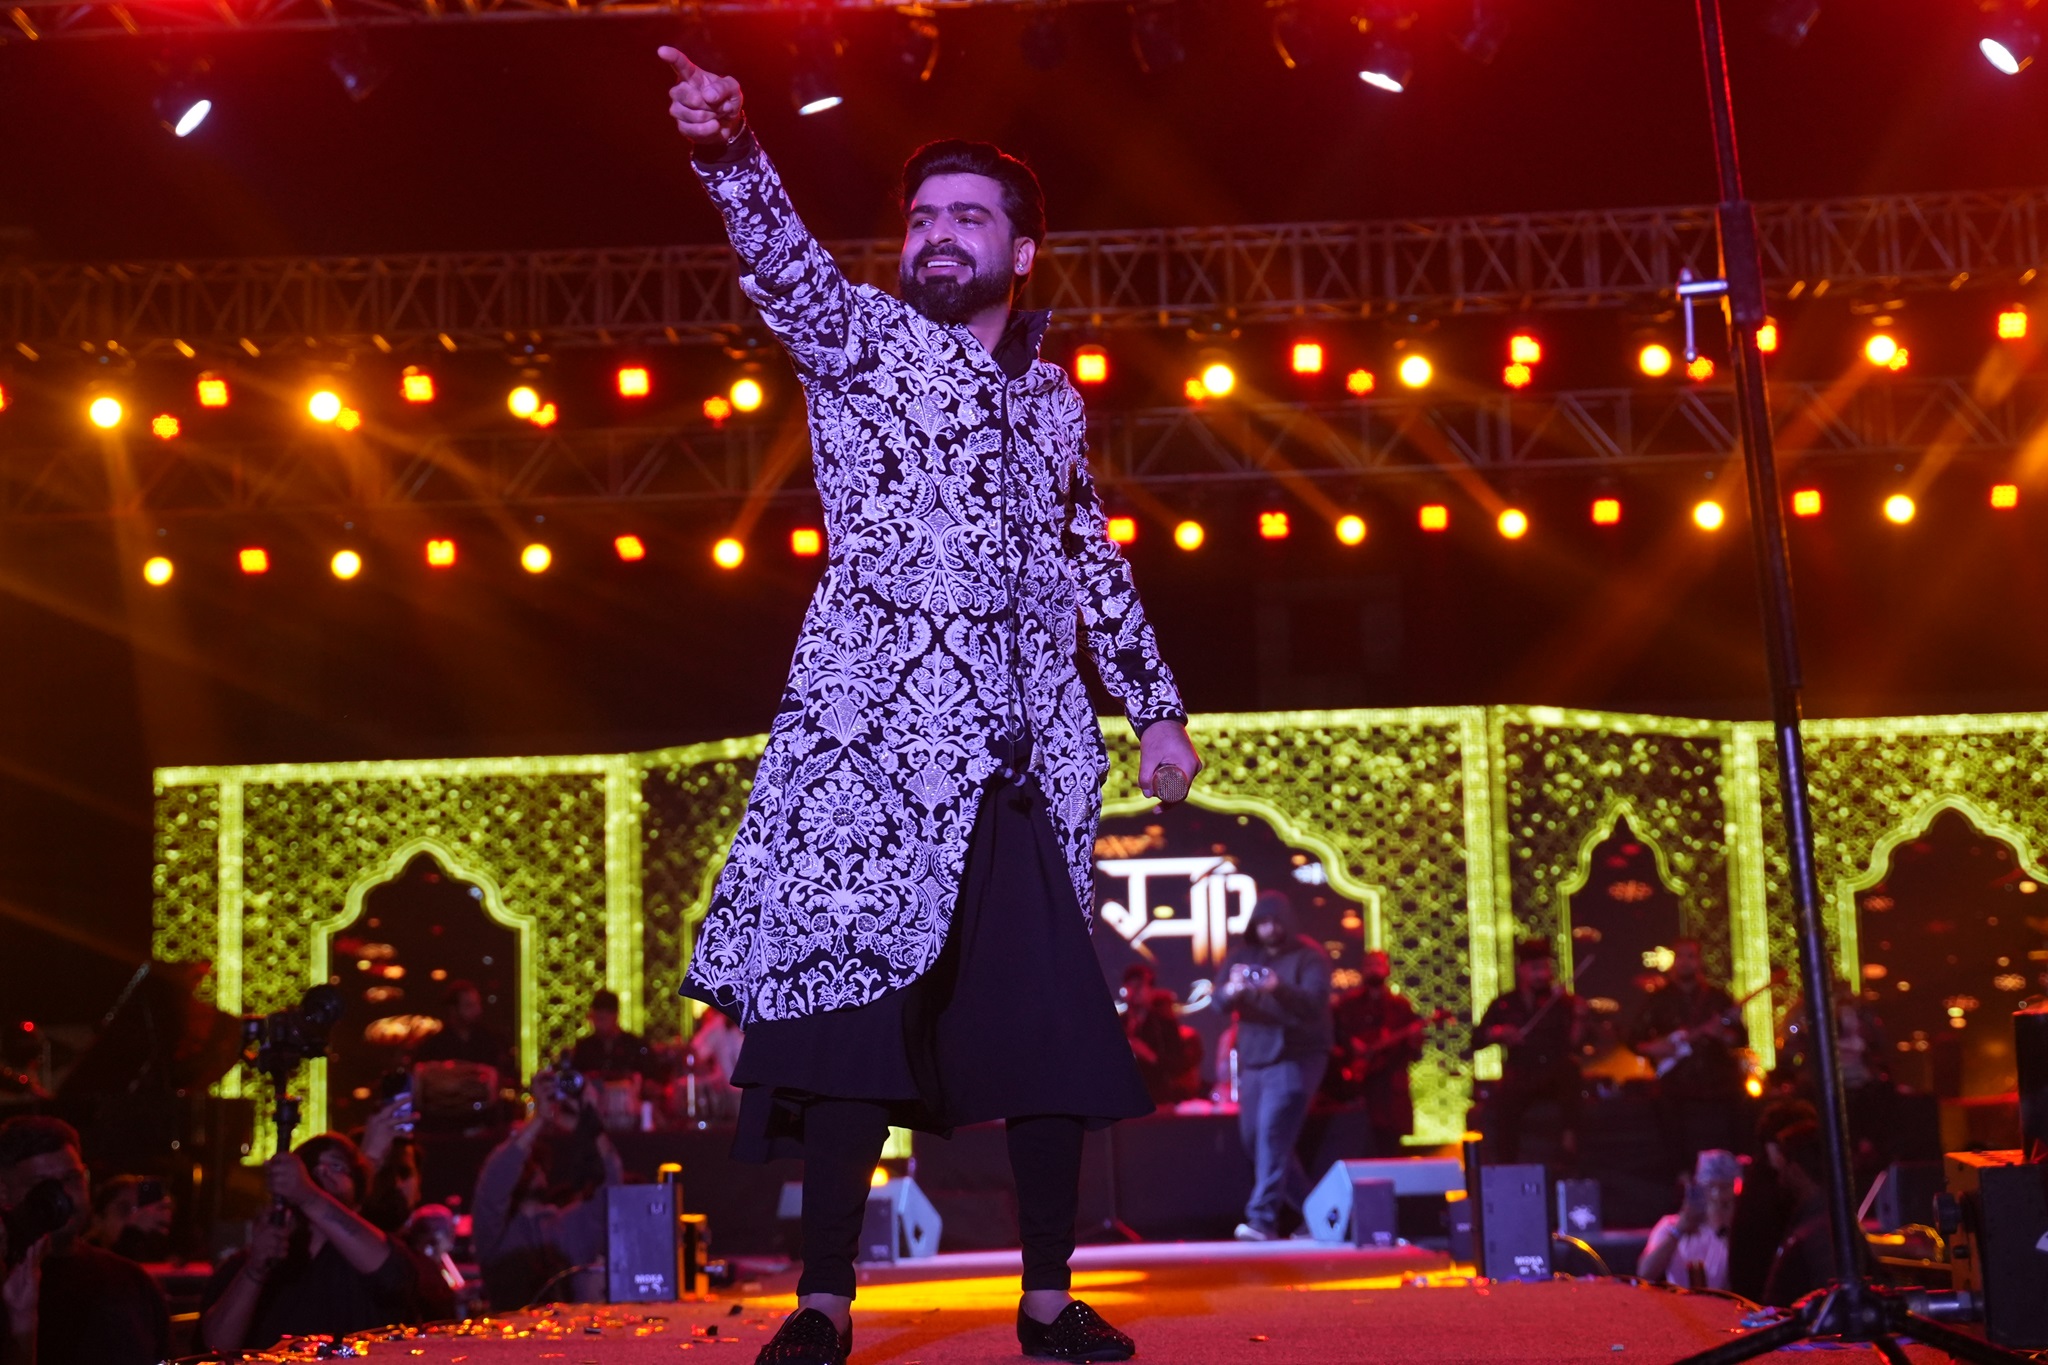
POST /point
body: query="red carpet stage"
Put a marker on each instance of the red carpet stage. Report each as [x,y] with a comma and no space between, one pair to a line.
[1187,1303]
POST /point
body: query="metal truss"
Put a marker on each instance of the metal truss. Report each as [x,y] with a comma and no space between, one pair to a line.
[48,19]
[1511,437]
[1109,279]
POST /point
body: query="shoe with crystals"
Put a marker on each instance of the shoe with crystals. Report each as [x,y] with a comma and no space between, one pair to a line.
[1252,1232]
[1078,1333]
[807,1337]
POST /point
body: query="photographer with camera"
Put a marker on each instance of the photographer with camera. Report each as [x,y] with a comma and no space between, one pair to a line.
[1277,983]
[67,1302]
[539,1210]
[314,1264]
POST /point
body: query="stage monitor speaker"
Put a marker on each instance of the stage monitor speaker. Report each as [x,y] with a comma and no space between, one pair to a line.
[1514,1225]
[1354,1201]
[640,1243]
[2030,1049]
[1578,1208]
[1998,1243]
[1458,1228]
[900,1224]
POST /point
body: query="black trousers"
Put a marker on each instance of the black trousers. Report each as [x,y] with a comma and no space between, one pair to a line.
[843,1142]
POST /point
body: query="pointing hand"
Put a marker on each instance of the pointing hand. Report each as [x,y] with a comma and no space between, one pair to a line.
[706,107]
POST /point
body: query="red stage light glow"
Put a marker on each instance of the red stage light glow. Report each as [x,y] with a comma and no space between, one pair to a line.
[806,541]
[1273,526]
[1607,511]
[255,559]
[634,382]
[1435,517]
[1091,365]
[1359,383]
[2005,496]
[1806,503]
[213,391]
[1123,530]
[1307,357]
[440,554]
[630,548]
[1517,376]
[1524,349]
[416,385]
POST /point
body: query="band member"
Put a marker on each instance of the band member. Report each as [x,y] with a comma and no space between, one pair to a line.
[900,925]
[1689,1028]
[1540,1029]
[1277,983]
[1169,1053]
[1379,1037]
[609,1050]
[465,1037]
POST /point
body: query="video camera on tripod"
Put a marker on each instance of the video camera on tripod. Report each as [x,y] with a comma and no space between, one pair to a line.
[279,1044]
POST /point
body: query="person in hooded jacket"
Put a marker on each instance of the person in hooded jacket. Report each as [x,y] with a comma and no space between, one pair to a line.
[1277,984]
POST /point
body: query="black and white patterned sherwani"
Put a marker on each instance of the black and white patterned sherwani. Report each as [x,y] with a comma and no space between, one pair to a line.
[945,483]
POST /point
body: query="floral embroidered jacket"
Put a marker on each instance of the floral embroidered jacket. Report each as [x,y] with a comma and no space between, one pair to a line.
[967,556]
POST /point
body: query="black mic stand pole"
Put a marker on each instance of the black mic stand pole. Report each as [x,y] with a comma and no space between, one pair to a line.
[1851,1309]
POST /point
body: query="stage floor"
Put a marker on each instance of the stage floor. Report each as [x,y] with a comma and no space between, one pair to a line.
[1187,1303]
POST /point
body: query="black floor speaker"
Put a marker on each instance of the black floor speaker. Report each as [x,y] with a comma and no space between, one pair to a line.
[640,1243]
[1514,1225]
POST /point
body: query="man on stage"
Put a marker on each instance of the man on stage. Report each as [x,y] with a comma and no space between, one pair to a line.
[1540,1029]
[902,926]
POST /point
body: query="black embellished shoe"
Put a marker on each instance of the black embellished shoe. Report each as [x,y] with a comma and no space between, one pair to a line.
[808,1337]
[1078,1333]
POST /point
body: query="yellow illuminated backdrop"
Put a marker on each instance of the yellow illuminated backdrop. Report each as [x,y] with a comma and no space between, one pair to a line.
[1455,828]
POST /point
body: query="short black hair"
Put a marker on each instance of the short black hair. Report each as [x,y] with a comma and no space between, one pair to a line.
[32,1135]
[313,1148]
[1023,199]
[456,989]
[605,1000]
[1534,950]
[1801,1144]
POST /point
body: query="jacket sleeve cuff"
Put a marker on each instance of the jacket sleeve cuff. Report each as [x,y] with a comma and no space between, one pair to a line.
[724,156]
[1140,726]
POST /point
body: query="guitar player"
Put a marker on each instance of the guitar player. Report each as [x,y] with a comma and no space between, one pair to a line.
[1691,1029]
[1379,1037]
[1541,1029]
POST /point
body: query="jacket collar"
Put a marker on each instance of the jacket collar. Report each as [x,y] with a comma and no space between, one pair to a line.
[1022,336]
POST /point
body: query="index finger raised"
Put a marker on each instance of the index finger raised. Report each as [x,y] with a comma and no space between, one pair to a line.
[680,60]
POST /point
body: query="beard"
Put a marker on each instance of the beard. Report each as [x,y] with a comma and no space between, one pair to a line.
[952,301]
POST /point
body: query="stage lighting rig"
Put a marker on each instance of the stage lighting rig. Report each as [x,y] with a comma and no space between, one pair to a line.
[2012,46]
[1155,36]
[917,42]
[1043,44]
[815,87]
[1789,21]
[1481,34]
[187,99]
[359,69]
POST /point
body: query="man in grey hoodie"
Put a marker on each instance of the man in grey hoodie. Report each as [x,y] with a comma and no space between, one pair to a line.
[1277,983]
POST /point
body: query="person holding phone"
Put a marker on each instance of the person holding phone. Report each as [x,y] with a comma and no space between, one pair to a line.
[1690,1248]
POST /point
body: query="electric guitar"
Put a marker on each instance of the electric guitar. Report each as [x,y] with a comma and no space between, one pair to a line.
[1679,1041]
[1359,1058]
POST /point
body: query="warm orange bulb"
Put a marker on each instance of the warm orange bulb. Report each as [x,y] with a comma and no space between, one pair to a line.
[1359,383]
[1434,517]
[164,427]
[1699,369]
[1091,365]
[1709,515]
[1273,526]
[1517,376]
[629,548]
[1881,349]
[255,559]
[349,420]
[806,541]
[1123,530]
[1607,511]
[2005,496]
[1351,530]
[1806,502]
[728,553]
[546,417]
[1194,390]
[1767,336]
[1189,535]
[747,395]
[440,554]
[536,558]
[2012,324]
[1307,357]
[1899,509]
[157,572]
[1524,349]
[1513,523]
[634,382]
[1654,360]
[1415,371]
[416,385]
[213,391]
[717,407]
